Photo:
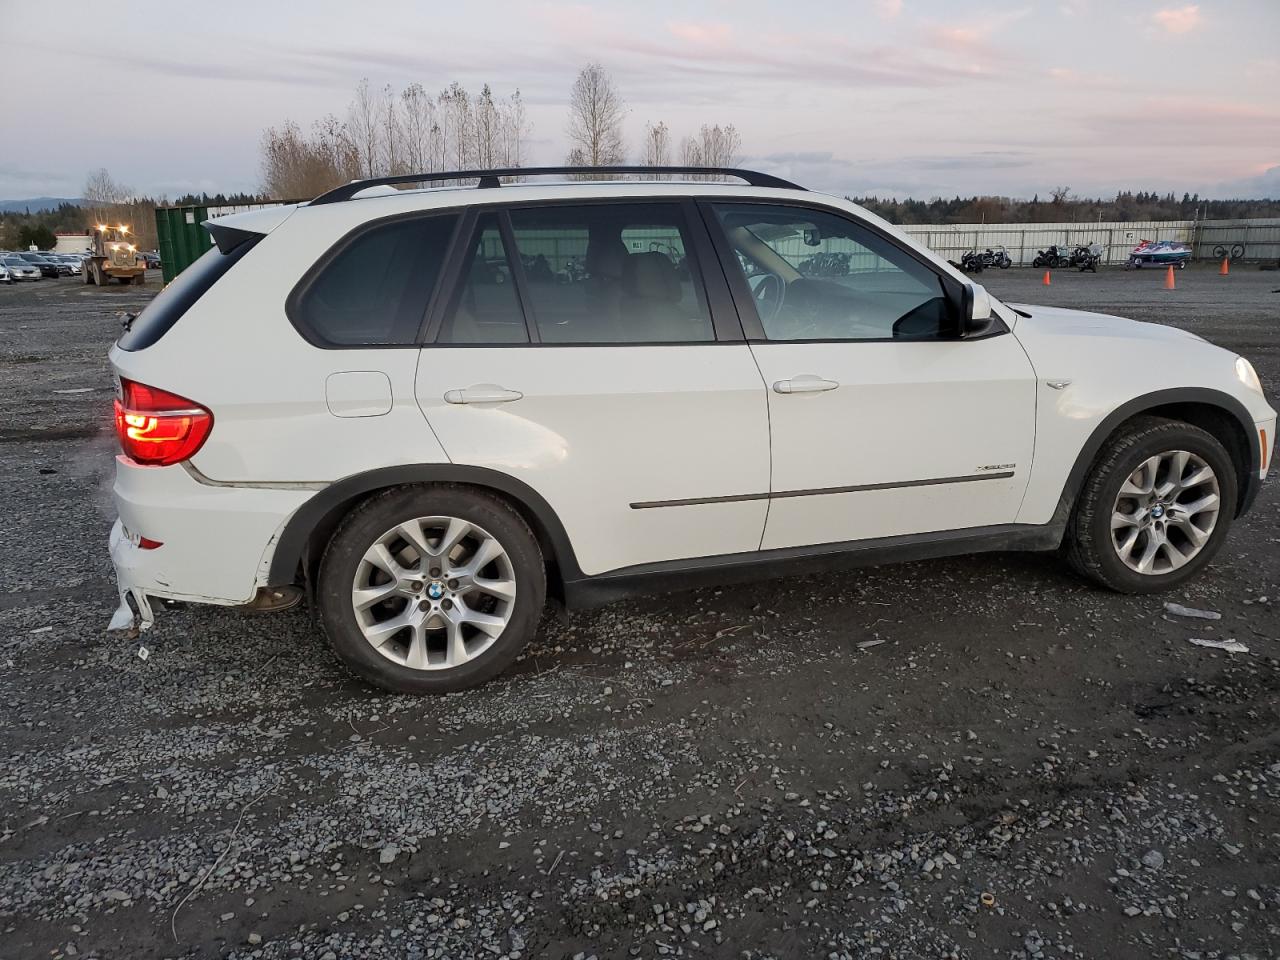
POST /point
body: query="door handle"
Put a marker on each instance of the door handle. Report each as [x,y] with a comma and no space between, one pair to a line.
[805,383]
[482,393]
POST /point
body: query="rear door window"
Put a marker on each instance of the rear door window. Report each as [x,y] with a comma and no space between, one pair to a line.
[611,273]
[375,289]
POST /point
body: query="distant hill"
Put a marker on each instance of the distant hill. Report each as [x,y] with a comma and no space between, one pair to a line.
[36,204]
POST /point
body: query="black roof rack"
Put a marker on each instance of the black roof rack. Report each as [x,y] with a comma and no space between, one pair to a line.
[493,178]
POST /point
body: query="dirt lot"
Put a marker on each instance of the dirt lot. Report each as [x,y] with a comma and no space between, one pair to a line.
[1020,766]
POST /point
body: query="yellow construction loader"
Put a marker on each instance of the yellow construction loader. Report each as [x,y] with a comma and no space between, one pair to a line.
[115,256]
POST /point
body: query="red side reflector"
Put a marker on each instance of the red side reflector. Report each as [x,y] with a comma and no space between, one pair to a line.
[146,543]
[159,428]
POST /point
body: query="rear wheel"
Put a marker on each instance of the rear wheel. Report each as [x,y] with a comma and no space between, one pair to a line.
[431,589]
[1154,509]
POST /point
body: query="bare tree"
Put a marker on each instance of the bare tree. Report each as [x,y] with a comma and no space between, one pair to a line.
[392,134]
[104,196]
[295,165]
[596,110]
[691,153]
[720,146]
[1060,195]
[657,147]
[456,112]
[421,125]
[364,128]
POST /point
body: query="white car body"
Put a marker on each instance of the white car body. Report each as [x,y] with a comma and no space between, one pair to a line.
[636,460]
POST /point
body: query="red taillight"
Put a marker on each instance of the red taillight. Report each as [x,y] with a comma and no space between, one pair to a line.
[159,428]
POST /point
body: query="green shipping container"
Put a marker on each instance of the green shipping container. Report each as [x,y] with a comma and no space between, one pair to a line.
[181,238]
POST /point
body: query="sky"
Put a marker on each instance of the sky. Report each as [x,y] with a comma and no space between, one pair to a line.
[886,97]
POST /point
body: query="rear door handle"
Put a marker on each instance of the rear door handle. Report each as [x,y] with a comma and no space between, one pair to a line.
[482,393]
[805,383]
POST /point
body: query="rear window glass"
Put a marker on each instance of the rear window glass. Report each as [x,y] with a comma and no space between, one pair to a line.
[159,316]
[375,289]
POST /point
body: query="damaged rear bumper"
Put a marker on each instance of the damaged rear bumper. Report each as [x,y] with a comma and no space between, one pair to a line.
[215,542]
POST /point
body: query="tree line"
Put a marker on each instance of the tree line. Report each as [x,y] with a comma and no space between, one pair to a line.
[1063,206]
[388,133]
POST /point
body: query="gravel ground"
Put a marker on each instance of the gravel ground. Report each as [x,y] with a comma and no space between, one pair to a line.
[976,757]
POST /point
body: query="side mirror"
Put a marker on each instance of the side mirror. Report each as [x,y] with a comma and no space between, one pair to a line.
[975,314]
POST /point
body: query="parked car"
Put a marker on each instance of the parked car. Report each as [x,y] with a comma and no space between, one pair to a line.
[72,263]
[47,267]
[430,449]
[152,259]
[20,269]
[5,276]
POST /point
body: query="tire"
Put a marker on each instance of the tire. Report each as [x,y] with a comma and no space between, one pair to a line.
[1091,548]
[1237,251]
[483,654]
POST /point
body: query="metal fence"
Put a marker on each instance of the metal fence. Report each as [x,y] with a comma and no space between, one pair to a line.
[1257,240]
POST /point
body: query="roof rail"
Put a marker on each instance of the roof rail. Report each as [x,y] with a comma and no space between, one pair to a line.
[493,178]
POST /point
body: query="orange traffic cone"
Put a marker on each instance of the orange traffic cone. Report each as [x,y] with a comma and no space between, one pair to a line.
[1169,283]
[1046,278]
[1224,270]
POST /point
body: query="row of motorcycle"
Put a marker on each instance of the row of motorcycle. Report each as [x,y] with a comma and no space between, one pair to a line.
[1085,256]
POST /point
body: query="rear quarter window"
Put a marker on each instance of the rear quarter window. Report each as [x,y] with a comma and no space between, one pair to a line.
[159,316]
[373,288]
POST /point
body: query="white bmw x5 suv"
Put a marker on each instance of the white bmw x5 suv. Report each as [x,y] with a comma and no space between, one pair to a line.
[429,409]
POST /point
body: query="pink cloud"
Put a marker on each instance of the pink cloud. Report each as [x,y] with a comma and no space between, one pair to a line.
[708,34]
[889,8]
[1179,19]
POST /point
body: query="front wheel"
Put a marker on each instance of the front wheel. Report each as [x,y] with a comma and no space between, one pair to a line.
[431,589]
[1154,509]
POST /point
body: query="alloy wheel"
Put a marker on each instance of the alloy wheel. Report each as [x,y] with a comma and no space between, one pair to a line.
[1165,512]
[434,593]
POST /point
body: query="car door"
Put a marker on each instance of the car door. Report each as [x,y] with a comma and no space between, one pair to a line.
[583,353]
[884,422]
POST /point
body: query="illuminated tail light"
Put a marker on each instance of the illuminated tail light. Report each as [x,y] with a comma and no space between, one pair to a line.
[159,428]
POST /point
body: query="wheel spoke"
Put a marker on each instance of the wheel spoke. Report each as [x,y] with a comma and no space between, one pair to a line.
[456,650]
[1199,476]
[417,658]
[502,589]
[1175,556]
[456,530]
[1143,480]
[381,557]
[1125,547]
[1121,520]
[379,633]
[1193,533]
[488,551]
[485,622]
[412,532]
[1177,466]
[365,597]
[1207,502]
[1147,560]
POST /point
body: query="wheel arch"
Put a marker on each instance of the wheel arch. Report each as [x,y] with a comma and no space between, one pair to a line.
[1214,411]
[298,549]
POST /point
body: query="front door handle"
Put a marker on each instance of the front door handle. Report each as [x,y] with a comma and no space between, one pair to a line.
[805,383]
[482,393]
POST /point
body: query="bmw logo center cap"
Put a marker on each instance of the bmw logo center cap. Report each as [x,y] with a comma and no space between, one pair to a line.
[435,590]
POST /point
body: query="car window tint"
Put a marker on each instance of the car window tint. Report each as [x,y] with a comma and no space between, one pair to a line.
[815,275]
[611,273]
[376,288]
[485,307]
